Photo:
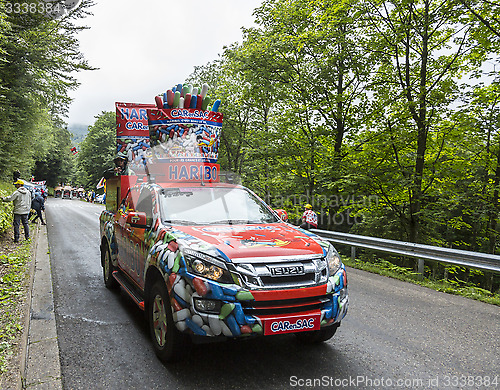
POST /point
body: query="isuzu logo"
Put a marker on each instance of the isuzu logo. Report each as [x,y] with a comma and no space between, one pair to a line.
[286,270]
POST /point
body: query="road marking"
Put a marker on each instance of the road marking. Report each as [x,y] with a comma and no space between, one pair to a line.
[73,317]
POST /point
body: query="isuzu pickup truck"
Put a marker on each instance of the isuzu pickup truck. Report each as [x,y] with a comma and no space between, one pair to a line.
[208,260]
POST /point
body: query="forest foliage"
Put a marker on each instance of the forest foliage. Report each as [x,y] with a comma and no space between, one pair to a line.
[38,58]
[382,114]
[385,115]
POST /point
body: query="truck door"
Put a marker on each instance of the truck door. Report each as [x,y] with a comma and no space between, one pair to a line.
[123,233]
[144,206]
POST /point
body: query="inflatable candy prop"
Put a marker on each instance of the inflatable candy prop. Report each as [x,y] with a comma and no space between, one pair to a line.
[216,105]
[170,98]
[181,128]
[204,90]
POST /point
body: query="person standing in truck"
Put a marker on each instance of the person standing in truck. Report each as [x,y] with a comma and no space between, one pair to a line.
[21,199]
[121,166]
[309,218]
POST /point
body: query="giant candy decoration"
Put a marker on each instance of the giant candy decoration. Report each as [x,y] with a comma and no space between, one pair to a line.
[180,127]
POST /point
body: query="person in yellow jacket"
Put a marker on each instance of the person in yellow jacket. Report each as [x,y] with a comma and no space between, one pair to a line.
[21,199]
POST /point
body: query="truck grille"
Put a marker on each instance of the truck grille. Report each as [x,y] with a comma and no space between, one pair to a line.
[286,281]
[279,307]
[282,273]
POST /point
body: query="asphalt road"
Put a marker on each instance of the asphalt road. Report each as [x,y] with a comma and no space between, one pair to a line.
[396,335]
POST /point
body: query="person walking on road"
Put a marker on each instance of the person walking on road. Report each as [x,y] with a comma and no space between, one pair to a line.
[21,199]
[38,204]
[309,218]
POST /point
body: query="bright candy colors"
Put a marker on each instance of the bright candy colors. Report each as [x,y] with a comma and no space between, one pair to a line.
[193,97]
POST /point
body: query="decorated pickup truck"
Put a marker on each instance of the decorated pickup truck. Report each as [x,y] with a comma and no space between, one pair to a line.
[203,258]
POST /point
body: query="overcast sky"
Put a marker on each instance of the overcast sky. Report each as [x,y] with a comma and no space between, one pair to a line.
[145,47]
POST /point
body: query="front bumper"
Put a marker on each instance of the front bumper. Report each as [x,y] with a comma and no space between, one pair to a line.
[243,313]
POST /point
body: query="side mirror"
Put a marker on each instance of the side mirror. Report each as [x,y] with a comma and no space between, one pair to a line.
[137,219]
[282,214]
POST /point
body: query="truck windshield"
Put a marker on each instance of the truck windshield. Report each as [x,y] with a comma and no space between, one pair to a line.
[209,206]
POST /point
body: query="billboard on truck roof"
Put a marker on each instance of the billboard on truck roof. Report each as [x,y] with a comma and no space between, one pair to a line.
[132,134]
[187,135]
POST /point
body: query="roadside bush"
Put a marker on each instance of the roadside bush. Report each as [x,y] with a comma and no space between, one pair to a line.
[5,207]
[14,274]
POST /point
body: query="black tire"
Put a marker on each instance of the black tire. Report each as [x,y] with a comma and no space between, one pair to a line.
[107,271]
[169,344]
[317,336]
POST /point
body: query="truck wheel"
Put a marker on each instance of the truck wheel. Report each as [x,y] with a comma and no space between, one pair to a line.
[317,336]
[107,270]
[169,344]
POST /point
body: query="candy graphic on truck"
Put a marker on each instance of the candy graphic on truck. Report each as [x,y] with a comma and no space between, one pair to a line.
[209,260]
[132,133]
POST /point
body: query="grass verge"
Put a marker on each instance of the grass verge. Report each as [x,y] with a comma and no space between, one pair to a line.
[14,285]
[385,268]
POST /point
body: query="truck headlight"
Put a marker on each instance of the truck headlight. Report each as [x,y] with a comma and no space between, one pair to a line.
[333,260]
[207,266]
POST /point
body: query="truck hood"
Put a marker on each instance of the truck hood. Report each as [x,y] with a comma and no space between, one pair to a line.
[239,242]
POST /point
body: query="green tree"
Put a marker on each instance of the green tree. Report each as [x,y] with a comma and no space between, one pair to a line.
[97,149]
[422,48]
[39,54]
[480,122]
[485,13]
[57,164]
[303,81]
[225,84]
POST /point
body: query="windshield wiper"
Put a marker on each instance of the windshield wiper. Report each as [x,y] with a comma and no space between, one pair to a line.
[174,192]
[180,222]
[230,222]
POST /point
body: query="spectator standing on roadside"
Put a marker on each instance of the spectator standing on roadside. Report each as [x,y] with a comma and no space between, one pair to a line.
[21,199]
[38,204]
[309,218]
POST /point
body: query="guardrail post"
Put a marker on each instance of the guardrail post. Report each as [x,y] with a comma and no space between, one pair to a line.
[421,267]
[353,253]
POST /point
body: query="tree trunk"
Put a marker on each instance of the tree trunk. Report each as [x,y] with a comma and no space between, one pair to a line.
[494,210]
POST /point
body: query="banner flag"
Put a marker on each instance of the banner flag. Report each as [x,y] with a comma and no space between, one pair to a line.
[101,183]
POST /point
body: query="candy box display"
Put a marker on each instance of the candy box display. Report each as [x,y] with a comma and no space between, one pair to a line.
[185,134]
[208,260]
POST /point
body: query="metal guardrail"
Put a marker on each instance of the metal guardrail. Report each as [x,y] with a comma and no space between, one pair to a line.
[478,260]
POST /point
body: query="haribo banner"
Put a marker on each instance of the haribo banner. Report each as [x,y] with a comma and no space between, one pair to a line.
[132,133]
[132,119]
